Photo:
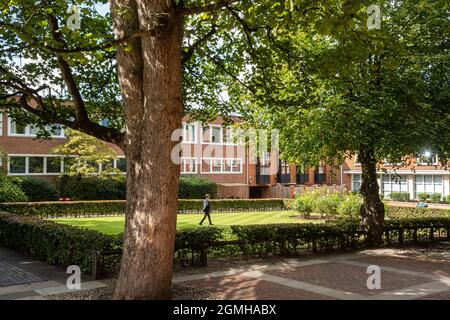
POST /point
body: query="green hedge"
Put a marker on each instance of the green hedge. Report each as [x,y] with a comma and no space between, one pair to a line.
[10,191]
[64,245]
[196,188]
[51,242]
[399,196]
[117,207]
[92,188]
[405,212]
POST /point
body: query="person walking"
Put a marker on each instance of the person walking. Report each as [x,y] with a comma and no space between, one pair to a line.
[206,210]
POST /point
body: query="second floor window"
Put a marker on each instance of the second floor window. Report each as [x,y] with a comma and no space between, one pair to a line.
[189,133]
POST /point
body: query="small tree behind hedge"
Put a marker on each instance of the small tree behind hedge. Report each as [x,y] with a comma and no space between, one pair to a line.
[196,188]
[9,191]
[37,189]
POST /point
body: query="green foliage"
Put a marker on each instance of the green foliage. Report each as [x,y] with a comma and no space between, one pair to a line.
[422,196]
[399,196]
[407,212]
[328,205]
[197,238]
[304,203]
[37,189]
[350,206]
[447,199]
[93,188]
[90,151]
[196,188]
[10,191]
[435,197]
[117,207]
[52,242]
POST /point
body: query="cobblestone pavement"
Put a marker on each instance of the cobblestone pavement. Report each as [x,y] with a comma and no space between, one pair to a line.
[406,274]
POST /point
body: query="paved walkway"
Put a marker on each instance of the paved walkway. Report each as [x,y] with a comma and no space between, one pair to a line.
[405,275]
[23,278]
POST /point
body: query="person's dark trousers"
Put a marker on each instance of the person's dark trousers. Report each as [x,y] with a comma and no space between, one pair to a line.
[204,217]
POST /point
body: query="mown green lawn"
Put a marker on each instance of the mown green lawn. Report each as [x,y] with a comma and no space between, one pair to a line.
[114,225]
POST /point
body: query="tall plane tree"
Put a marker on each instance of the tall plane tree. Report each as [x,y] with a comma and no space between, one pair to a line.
[135,67]
[340,88]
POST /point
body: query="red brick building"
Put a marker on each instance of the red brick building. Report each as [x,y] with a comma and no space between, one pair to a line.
[213,152]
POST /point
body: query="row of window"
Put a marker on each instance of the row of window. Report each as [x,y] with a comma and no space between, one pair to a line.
[22,130]
[423,160]
[211,165]
[54,165]
[209,134]
[399,183]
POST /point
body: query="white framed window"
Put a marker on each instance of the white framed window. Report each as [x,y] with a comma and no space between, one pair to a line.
[221,165]
[189,133]
[17,129]
[121,164]
[428,184]
[188,165]
[356,182]
[35,165]
[357,163]
[393,183]
[212,134]
[427,159]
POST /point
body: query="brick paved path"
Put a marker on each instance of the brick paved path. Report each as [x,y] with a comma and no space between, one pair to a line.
[405,275]
[22,277]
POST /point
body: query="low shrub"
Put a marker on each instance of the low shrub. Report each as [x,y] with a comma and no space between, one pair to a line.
[79,188]
[37,189]
[399,196]
[304,204]
[422,196]
[328,205]
[447,199]
[196,188]
[435,197]
[10,191]
[350,206]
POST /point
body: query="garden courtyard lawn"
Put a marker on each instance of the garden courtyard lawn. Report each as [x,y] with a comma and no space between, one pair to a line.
[114,225]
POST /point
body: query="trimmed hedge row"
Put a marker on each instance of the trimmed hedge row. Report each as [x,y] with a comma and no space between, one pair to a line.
[117,207]
[65,245]
[405,212]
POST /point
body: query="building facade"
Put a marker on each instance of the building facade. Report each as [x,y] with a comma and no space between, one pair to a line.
[213,151]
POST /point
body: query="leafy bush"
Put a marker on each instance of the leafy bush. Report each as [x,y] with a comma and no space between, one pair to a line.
[435,197]
[422,196]
[447,199]
[399,196]
[37,189]
[304,203]
[196,188]
[350,206]
[10,191]
[93,188]
[328,205]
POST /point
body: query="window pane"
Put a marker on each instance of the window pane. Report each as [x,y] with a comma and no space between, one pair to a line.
[122,164]
[227,165]
[438,180]
[206,133]
[36,165]
[419,179]
[189,133]
[216,167]
[17,165]
[236,165]
[53,165]
[32,130]
[216,138]
[108,165]
[17,128]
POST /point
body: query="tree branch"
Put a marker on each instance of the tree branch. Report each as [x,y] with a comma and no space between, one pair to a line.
[207,8]
[188,54]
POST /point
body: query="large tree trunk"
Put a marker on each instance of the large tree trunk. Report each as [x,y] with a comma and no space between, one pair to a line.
[150,78]
[372,209]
